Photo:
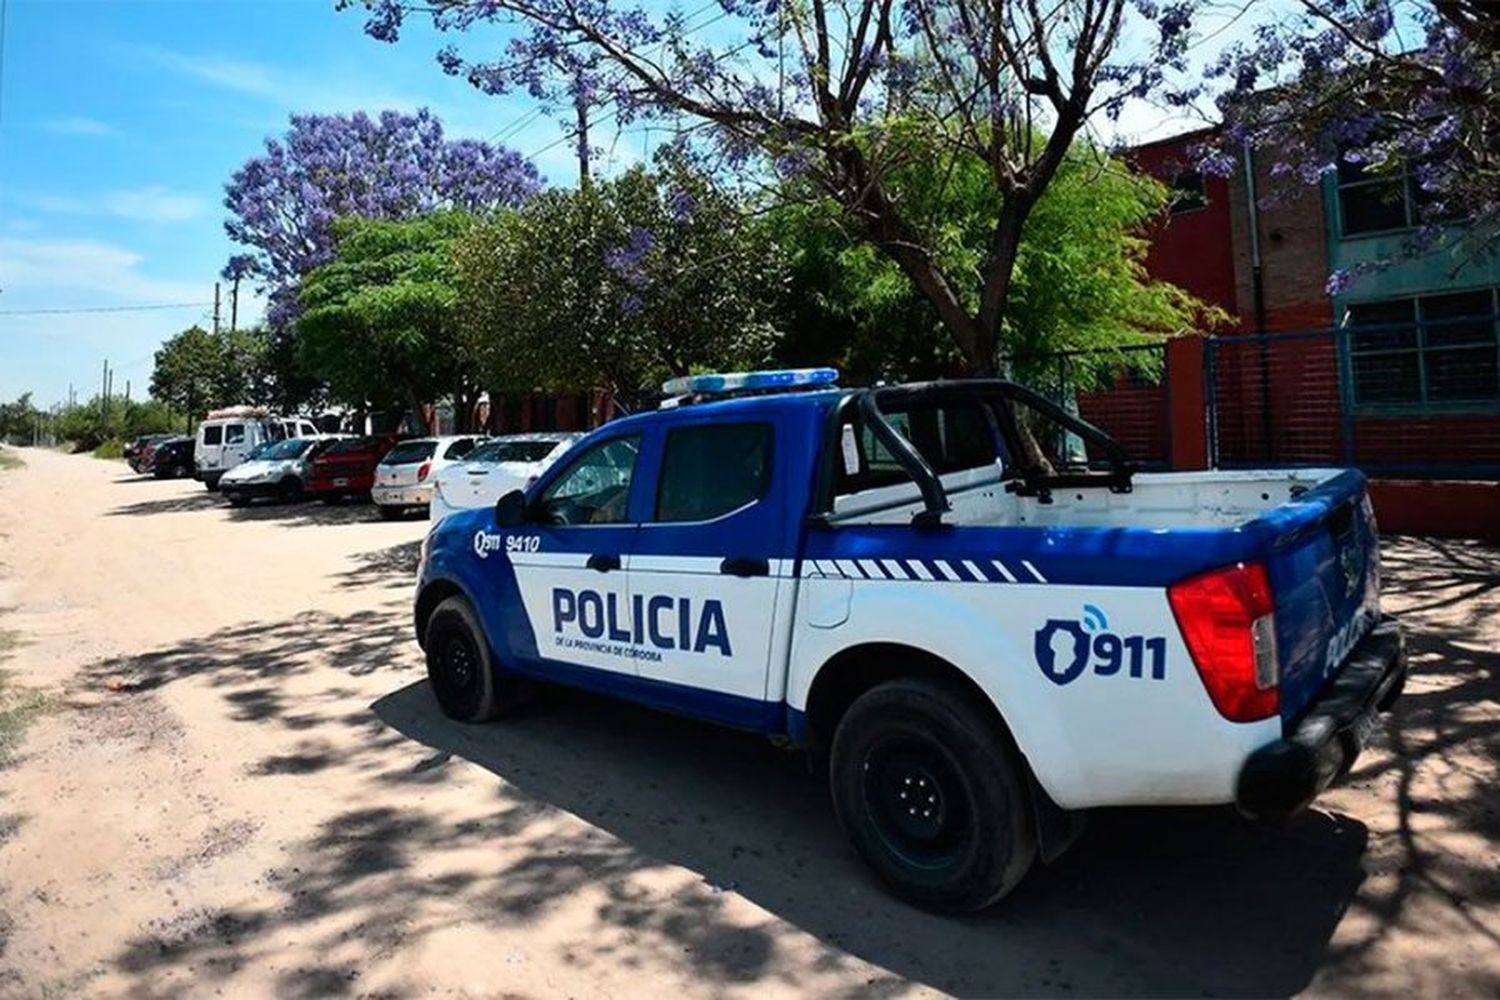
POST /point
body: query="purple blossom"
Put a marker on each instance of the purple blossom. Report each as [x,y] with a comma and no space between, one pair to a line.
[283,204]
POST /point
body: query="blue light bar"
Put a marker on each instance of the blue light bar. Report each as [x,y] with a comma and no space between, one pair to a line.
[785,378]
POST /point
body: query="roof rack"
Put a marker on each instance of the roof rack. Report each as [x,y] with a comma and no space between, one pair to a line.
[726,385]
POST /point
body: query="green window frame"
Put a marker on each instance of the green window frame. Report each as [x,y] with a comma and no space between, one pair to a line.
[1438,352]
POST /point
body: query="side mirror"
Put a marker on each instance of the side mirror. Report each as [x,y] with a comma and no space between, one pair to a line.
[510,510]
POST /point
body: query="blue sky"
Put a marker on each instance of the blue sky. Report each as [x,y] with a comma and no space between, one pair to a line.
[121,121]
[120,124]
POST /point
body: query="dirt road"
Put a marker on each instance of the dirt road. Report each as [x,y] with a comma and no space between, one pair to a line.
[243,785]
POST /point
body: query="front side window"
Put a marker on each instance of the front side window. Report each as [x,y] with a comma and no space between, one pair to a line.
[234,434]
[596,487]
[711,470]
[1434,349]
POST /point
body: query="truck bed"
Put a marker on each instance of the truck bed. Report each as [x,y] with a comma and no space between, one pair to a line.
[1165,500]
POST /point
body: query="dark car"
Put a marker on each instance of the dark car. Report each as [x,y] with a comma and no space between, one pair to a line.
[138,452]
[172,458]
[347,468]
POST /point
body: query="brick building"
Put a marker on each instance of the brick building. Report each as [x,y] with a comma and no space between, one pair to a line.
[1397,373]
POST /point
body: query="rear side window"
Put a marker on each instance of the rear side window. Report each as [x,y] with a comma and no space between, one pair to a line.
[213,434]
[459,448]
[409,451]
[234,434]
[711,470]
[949,438]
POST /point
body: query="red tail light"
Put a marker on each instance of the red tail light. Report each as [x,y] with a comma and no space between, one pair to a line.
[1226,618]
[422,472]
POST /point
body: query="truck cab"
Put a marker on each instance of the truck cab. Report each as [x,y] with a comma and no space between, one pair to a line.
[964,601]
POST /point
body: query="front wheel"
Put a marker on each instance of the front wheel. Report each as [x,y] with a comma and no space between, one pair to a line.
[390,513]
[932,794]
[460,667]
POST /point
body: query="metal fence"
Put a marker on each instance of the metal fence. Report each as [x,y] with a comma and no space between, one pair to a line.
[1122,391]
[1396,399]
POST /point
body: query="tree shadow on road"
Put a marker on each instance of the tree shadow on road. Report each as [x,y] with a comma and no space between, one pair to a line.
[1161,902]
[300,512]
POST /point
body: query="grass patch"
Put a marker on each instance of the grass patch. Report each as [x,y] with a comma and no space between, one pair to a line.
[110,449]
[9,460]
[18,708]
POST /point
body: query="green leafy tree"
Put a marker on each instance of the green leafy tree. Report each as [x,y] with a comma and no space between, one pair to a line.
[189,371]
[1079,282]
[18,420]
[620,284]
[379,321]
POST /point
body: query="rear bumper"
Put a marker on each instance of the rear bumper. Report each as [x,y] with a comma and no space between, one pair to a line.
[1283,777]
[418,495]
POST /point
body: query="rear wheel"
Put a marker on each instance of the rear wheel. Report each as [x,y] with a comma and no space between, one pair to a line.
[390,513]
[460,667]
[932,795]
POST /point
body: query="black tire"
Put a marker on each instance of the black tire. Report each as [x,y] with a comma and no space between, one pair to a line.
[933,796]
[178,471]
[212,485]
[390,513]
[460,666]
[289,490]
[236,499]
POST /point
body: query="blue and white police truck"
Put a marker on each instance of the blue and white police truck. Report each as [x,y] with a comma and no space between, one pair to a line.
[964,600]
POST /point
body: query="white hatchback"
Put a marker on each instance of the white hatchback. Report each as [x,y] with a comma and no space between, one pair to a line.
[494,469]
[403,479]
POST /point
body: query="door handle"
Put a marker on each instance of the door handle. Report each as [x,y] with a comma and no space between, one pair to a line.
[603,563]
[742,566]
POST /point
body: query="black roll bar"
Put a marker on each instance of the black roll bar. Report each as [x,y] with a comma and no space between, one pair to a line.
[934,496]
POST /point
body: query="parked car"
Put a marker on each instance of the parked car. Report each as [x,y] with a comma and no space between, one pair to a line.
[226,438]
[493,469]
[273,471]
[138,452]
[982,632]
[173,458]
[403,479]
[346,468]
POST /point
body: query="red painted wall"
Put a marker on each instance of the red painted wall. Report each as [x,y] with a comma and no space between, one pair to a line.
[1192,250]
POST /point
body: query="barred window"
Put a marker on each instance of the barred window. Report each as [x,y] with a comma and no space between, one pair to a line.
[1433,350]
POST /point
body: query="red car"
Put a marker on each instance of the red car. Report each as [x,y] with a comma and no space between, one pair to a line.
[346,468]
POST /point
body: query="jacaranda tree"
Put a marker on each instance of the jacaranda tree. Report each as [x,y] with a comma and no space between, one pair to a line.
[388,166]
[846,94]
[1408,91]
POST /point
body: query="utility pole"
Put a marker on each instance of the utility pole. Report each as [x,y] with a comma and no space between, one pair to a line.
[234,305]
[580,104]
[127,392]
[216,307]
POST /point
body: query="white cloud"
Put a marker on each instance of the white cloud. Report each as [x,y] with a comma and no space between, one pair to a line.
[154,204]
[78,125]
[290,90]
[105,273]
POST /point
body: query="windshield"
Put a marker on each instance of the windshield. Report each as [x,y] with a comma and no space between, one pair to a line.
[259,451]
[513,451]
[410,451]
[293,448]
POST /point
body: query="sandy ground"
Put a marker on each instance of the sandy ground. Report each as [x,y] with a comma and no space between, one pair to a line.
[244,787]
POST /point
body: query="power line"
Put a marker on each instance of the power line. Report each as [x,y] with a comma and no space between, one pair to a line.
[98,309]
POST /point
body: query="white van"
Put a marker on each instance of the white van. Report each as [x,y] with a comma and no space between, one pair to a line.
[228,436]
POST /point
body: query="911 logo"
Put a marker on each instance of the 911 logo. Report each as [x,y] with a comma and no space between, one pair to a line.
[1088,642]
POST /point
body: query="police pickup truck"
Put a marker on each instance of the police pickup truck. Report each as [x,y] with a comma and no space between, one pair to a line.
[963,599]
